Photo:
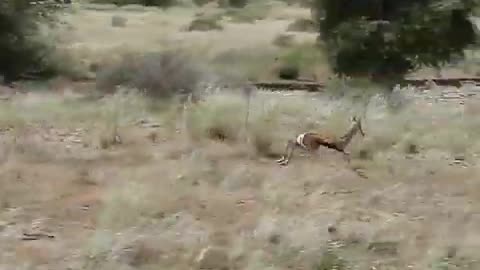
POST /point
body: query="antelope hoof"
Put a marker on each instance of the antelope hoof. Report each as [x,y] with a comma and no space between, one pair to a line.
[280,160]
[284,162]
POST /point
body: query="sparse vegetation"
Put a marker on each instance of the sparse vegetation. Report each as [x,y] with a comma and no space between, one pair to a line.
[159,75]
[22,48]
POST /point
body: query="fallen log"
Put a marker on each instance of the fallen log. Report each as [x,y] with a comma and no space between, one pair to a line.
[314,86]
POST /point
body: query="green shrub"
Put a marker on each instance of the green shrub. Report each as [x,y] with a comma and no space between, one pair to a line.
[22,48]
[159,75]
[288,72]
[404,35]
[302,57]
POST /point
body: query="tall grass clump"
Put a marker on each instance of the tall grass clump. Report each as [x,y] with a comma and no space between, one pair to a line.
[159,75]
[263,129]
[115,112]
[219,117]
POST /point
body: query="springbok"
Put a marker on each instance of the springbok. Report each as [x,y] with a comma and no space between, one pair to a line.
[311,141]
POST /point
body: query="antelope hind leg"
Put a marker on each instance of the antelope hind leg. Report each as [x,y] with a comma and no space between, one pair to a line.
[286,153]
[290,149]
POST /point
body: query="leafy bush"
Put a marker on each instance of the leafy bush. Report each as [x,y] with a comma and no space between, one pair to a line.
[302,25]
[386,39]
[160,74]
[288,72]
[21,49]
[301,58]
[205,24]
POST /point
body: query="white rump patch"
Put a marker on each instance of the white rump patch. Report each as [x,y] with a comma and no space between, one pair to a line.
[300,140]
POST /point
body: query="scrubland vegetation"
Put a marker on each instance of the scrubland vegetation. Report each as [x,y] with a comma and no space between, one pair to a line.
[132,139]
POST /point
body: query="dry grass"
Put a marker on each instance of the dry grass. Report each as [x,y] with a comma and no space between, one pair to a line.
[179,196]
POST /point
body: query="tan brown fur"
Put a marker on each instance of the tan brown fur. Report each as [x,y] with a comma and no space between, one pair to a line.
[311,141]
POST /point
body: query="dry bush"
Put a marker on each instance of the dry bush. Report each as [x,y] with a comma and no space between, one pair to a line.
[119,21]
[205,24]
[115,112]
[303,25]
[160,75]
[69,63]
[284,40]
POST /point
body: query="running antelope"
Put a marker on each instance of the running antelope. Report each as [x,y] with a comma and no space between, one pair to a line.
[311,141]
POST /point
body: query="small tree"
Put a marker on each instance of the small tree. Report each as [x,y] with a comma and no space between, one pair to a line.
[20,51]
[385,39]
